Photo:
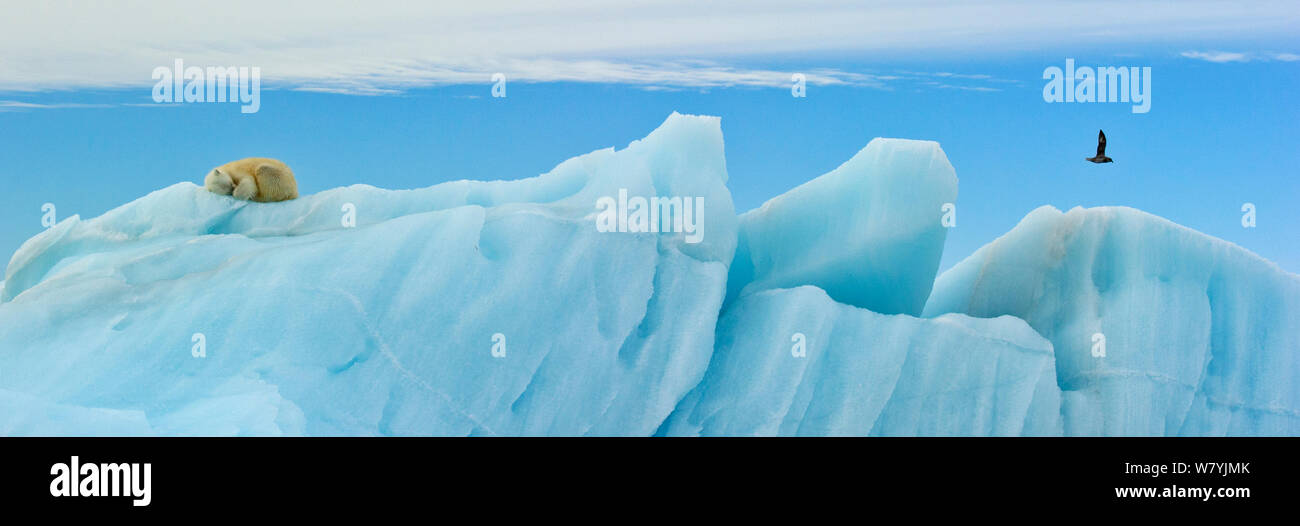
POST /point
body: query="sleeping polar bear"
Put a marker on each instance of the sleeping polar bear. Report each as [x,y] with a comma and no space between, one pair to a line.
[255,178]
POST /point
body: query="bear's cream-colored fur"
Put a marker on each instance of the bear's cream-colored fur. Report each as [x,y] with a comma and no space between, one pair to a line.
[255,178]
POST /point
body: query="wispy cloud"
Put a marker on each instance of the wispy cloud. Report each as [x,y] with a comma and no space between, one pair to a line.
[18,105]
[680,74]
[1222,57]
[967,88]
[382,47]
[15,105]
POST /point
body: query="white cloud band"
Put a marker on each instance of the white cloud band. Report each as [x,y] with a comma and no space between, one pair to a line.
[380,46]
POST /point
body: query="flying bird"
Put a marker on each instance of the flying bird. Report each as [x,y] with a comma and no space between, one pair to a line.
[1101,150]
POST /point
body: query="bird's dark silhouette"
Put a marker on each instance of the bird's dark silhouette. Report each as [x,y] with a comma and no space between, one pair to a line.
[1101,150]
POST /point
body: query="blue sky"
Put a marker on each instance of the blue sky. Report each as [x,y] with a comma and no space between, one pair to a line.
[79,128]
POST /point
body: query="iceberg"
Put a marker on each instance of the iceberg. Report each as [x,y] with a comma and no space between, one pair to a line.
[525,308]
[466,308]
[1157,329]
[794,362]
[869,233]
[29,415]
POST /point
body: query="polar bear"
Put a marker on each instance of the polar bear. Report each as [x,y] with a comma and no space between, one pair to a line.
[255,178]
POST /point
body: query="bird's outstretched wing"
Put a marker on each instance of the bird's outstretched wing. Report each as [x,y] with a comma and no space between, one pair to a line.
[1101,143]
